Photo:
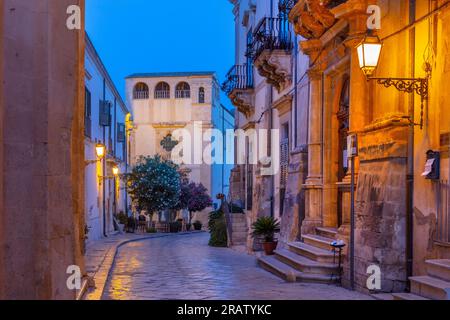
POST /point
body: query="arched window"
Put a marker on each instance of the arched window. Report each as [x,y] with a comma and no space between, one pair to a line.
[162,91]
[183,91]
[140,91]
[201,95]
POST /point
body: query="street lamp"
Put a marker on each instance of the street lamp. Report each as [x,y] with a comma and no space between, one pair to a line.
[369,51]
[115,171]
[100,151]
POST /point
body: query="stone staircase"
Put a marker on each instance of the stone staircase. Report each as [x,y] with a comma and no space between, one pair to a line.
[239,229]
[309,261]
[434,286]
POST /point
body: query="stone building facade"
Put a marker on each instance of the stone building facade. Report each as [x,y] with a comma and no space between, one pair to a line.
[401,218]
[106,117]
[161,103]
[269,88]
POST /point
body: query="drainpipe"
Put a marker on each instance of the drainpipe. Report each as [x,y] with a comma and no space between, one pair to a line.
[410,160]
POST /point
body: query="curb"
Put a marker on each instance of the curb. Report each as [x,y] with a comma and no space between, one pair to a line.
[105,268]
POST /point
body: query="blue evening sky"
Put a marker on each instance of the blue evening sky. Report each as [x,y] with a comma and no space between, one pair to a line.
[134,36]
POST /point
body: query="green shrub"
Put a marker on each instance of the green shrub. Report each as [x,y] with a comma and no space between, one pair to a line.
[122,218]
[151,230]
[266,227]
[234,208]
[197,225]
[218,229]
[175,227]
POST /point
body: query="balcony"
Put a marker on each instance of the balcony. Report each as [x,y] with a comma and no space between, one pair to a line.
[271,51]
[239,88]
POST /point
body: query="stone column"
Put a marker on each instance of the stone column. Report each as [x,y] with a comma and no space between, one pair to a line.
[41,149]
[314,181]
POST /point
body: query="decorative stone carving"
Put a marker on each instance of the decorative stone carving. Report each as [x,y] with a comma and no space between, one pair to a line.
[311,18]
[276,67]
[283,104]
[242,99]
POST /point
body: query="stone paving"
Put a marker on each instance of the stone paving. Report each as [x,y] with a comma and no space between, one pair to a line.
[185,267]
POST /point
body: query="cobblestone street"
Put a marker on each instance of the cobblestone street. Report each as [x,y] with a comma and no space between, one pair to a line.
[185,267]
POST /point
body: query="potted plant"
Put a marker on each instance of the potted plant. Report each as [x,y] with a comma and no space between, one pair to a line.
[266,227]
[188,227]
[197,225]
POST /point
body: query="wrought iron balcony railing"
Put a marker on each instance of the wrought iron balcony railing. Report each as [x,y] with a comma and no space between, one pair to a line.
[271,34]
[285,6]
[239,77]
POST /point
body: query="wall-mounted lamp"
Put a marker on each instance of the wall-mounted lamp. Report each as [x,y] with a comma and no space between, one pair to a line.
[115,171]
[369,51]
[100,151]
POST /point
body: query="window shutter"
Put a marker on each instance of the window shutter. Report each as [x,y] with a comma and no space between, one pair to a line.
[121,132]
[105,113]
[87,114]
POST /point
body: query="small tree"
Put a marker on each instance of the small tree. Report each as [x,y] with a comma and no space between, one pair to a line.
[198,199]
[154,184]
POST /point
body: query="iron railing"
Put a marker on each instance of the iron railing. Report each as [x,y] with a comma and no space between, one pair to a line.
[271,34]
[330,4]
[140,95]
[182,94]
[443,212]
[285,6]
[239,77]
[162,94]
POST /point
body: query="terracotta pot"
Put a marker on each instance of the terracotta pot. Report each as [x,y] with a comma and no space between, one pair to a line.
[269,247]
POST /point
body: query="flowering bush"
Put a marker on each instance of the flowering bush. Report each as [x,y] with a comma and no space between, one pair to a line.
[154,184]
[198,198]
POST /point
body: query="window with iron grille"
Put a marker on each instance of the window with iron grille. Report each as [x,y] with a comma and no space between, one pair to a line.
[284,167]
[121,132]
[162,91]
[182,91]
[249,177]
[87,113]
[201,95]
[105,113]
[140,91]
[443,213]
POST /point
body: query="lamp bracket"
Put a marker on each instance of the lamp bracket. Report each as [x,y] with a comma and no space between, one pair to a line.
[408,85]
[88,162]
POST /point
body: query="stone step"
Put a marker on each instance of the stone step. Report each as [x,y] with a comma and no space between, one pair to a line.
[239,225]
[239,234]
[429,287]
[330,233]
[304,264]
[287,273]
[240,229]
[439,269]
[318,241]
[313,253]
[382,296]
[407,296]
[238,218]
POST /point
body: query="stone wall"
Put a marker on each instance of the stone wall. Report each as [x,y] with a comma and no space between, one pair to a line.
[380,206]
[294,202]
[41,149]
